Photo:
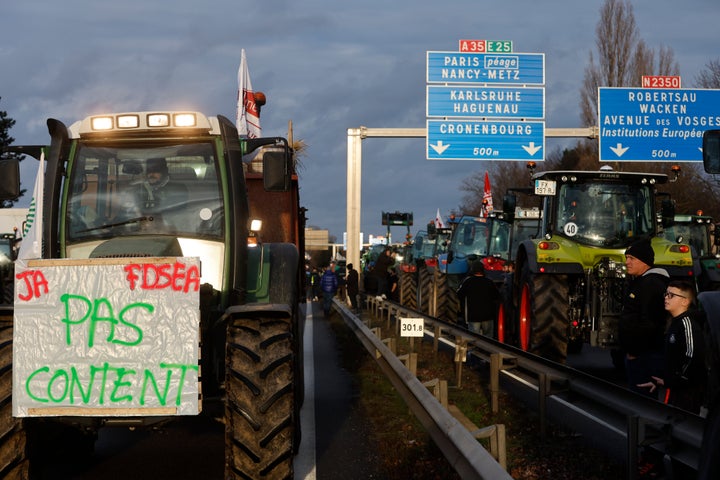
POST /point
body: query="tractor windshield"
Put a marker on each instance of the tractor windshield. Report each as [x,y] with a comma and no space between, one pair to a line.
[155,190]
[605,214]
[471,237]
[696,234]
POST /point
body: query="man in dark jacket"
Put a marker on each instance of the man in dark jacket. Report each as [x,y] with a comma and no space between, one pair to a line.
[380,271]
[479,300]
[642,322]
[353,288]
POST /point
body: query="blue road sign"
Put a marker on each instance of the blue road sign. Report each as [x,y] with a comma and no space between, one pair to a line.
[485,140]
[506,68]
[485,102]
[638,124]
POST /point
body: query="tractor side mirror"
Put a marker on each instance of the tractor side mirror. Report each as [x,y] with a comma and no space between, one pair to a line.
[711,151]
[9,179]
[668,213]
[277,169]
[509,204]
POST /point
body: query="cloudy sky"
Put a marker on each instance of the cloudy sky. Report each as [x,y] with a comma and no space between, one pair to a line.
[324,65]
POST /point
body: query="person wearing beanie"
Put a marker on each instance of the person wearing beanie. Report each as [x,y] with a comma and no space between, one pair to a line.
[479,300]
[641,329]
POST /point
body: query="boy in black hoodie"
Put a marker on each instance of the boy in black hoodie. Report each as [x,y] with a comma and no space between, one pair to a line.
[685,374]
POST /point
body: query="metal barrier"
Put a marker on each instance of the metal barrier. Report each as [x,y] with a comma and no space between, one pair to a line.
[458,444]
[637,420]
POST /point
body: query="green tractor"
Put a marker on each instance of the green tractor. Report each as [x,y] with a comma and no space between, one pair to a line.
[698,231]
[568,284]
[241,348]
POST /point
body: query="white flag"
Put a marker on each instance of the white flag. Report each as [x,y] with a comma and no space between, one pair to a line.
[439,221]
[248,115]
[31,245]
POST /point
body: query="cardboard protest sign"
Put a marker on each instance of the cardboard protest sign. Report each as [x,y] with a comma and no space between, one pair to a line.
[106,337]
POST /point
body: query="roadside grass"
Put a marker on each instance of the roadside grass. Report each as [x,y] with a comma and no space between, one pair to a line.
[408,452]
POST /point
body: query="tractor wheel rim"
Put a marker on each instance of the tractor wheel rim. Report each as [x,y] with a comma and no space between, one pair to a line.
[524,319]
[501,324]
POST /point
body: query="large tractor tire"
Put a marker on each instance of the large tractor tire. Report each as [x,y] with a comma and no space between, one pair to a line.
[260,415]
[448,305]
[441,293]
[14,464]
[408,289]
[424,290]
[543,316]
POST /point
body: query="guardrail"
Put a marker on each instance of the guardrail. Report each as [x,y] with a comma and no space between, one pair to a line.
[466,455]
[562,392]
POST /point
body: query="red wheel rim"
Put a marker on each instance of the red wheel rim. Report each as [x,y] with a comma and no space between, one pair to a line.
[524,319]
[501,324]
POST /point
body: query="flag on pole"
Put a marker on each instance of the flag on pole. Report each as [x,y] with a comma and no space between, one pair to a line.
[487,206]
[247,120]
[31,244]
[439,221]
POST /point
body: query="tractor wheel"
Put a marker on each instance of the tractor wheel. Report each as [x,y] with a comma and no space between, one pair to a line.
[13,437]
[501,327]
[448,304]
[441,295]
[7,283]
[543,320]
[260,415]
[408,289]
[452,302]
[424,290]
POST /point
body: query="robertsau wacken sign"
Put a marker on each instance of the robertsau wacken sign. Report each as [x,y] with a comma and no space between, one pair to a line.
[106,337]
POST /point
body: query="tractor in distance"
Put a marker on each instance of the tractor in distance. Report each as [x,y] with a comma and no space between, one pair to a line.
[484,238]
[698,231]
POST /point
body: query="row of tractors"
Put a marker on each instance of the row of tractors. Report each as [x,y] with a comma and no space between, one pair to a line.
[558,258]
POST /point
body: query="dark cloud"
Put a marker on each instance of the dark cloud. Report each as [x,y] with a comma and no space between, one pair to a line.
[324,66]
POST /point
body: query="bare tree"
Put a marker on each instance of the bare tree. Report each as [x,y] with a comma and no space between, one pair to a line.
[622,57]
[710,77]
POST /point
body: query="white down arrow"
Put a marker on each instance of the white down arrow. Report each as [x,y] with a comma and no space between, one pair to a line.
[619,149]
[531,149]
[439,147]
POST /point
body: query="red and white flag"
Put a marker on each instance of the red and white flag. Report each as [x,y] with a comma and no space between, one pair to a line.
[487,206]
[248,114]
[439,221]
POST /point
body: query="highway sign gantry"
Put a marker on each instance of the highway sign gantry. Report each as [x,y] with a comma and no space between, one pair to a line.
[491,68]
[485,102]
[639,124]
[485,140]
